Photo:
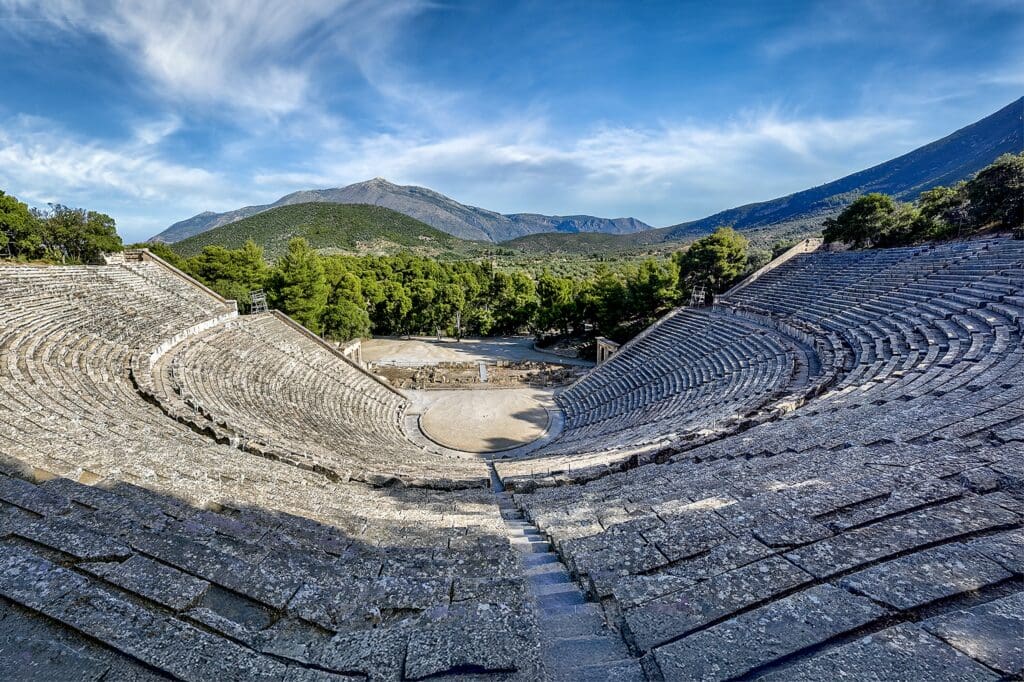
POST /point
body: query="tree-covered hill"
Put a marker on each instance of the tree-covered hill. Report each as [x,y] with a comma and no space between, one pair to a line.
[333,228]
[955,157]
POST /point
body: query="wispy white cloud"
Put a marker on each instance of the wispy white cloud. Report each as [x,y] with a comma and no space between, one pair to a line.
[40,162]
[666,173]
[250,55]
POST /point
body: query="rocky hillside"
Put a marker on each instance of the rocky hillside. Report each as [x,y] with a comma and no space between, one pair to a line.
[943,162]
[332,228]
[428,206]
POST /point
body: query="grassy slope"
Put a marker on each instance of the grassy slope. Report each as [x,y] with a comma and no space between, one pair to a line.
[333,228]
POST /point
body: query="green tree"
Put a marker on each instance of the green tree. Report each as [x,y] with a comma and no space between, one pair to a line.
[232,273]
[298,285]
[344,319]
[78,235]
[996,193]
[450,303]
[392,312]
[554,303]
[514,301]
[609,298]
[942,213]
[714,261]
[20,232]
[872,220]
[651,288]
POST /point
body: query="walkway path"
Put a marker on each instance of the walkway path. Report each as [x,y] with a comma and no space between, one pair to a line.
[577,644]
[424,350]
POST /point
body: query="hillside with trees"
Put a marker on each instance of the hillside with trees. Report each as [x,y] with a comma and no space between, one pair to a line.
[345,296]
[991,200]
[354,228]
[59,234]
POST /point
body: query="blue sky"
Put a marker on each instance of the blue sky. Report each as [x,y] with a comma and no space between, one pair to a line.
[155,110]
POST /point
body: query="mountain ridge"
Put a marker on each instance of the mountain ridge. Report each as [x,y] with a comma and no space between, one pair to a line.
[332,228]
[947,160]
[423,204]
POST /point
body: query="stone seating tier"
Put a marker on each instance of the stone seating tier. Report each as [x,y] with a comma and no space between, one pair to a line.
[874,532]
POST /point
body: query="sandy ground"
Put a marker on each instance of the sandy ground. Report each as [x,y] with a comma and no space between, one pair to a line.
[429,351]
[485,420]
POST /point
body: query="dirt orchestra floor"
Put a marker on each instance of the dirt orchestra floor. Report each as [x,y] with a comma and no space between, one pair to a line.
[485,420]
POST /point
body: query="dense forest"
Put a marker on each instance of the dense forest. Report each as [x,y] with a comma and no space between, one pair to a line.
[346,296]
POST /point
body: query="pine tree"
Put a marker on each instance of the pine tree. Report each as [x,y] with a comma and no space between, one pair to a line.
[298,286]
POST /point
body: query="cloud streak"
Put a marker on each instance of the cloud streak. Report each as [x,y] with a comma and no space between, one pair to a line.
[256,56]
[667,173]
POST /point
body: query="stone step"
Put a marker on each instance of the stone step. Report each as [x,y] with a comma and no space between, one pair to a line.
[583,620]
[550,567]
[524,532]
[570,652]
[553,588]
[626,670]
[535,544]
[535,560]
[560,602]
[560,577]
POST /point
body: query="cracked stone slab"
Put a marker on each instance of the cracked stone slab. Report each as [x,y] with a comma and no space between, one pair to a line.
[70,538]
[619,555]
[992,633]
[355,603]
[633,590]
[33,581]
[918,579]
[32,497]
[759,637]
[164,643]
[376,653]
[904,652]
[292,639]
[683,537]
[165,585]
[898,534]
[673,615]
[217,567]
[795,531]
[900,500]
[721,559]
[35,648]
[481,637]
[1003,548]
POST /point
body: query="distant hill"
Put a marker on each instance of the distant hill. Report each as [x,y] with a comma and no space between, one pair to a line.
[943,162]
[337,228]
[428,206]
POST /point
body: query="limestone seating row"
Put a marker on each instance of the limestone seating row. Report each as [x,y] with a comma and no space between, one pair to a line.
[874,532]
[247,594]
[689,352]
[275,391]
[690,554]
[267,599]
[697,372]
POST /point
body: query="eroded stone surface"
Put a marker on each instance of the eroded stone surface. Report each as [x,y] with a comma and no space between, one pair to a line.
[759,637]
[993,633]
[904,652]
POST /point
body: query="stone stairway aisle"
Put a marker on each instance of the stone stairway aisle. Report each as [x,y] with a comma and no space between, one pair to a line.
[578,645]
